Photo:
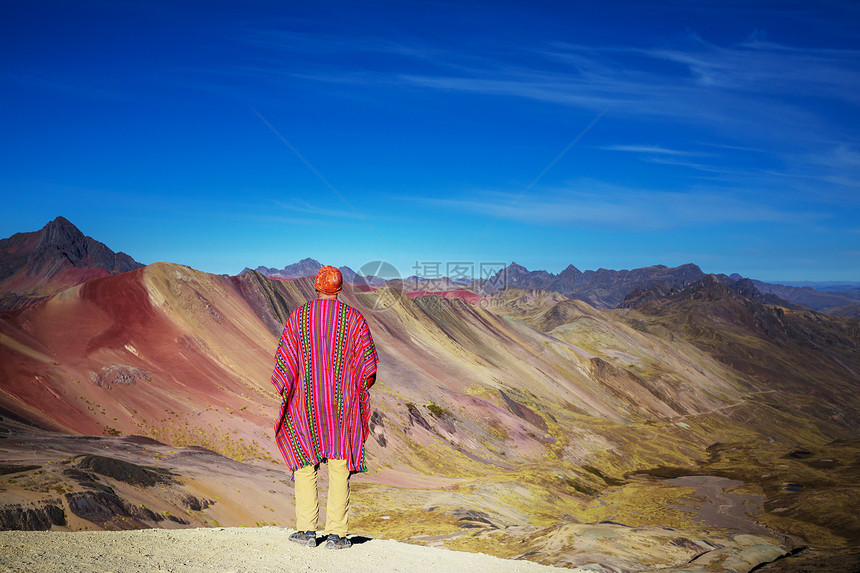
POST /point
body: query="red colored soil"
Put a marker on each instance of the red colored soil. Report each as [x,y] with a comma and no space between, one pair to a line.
[462,294]
[125,300]
[83,336]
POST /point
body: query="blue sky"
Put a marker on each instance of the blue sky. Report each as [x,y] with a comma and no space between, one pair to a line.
[611,134]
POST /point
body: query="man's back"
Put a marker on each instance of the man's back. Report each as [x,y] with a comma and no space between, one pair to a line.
[325,363]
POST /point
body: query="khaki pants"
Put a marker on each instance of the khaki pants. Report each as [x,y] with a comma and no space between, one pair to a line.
[337,505]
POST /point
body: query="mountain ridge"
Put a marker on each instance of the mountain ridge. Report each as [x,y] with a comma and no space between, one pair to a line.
[603,288]
[39,263]
[60,251]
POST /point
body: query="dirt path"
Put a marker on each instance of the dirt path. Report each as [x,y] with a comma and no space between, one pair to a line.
[233,550]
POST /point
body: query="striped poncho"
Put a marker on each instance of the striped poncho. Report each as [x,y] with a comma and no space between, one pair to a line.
[323,369]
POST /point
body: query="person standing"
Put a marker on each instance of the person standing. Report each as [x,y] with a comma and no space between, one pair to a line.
[325,364]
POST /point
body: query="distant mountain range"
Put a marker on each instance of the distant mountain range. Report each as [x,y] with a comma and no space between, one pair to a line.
[602,288]
[36,264]
[843,302]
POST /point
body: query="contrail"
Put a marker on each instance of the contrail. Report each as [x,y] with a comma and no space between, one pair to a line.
[538,178]
[318,174]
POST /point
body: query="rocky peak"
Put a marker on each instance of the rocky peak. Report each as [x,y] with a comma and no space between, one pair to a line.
[306,267]
[569,278]
[39,263]
[61,243]
[57,246]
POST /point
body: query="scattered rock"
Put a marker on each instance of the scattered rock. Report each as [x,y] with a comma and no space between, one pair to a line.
[470,519]
[118,375]
[172,517]
[143,440]
[415,417]
[377,419]
[144,513]
[87,480]
[13,469]
[31,519]
[126,472]
[96,506]
[195,504]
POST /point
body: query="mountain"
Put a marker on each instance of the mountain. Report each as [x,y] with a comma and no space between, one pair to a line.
[601,288]
[839,302]
[745,287]
[528,424]
[40,263]
[307,267]
[797,350]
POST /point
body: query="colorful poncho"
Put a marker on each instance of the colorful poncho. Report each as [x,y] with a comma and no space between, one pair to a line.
[322,365]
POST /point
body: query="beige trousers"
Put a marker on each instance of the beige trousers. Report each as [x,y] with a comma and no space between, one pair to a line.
[337,505]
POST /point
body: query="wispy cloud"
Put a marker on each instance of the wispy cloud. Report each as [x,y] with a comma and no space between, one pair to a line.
[743,88]
[303,207]
[651,150]
[752,87]
[596,203]
[768,68]
[756,112]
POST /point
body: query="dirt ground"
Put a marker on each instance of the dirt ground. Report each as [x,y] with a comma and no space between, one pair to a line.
[234,550]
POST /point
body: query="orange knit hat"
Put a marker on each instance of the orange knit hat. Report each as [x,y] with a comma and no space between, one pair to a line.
[329,280]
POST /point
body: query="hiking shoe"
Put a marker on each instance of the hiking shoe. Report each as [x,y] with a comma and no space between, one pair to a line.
[308,538]
[335,541]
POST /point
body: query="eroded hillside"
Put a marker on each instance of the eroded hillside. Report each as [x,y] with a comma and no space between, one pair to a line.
[506,425]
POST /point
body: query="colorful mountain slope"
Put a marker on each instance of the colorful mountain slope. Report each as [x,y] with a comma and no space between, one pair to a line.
[516,411]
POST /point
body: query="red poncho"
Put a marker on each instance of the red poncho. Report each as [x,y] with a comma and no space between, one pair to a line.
[322,368]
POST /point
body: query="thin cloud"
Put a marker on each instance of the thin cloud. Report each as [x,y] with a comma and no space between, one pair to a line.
[698,166]
[769,68]
[651,150]
[299,206]
[599,204]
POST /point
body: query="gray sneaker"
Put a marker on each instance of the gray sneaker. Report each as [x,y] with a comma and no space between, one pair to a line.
[335,541]
[308,538]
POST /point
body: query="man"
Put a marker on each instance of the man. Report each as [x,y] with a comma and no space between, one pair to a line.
[324,367]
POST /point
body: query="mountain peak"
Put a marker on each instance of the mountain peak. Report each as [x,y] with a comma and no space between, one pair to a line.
[57,256]
[62,242]
[62,223]
[306,267]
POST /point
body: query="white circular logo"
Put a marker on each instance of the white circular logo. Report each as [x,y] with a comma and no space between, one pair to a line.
[370,286]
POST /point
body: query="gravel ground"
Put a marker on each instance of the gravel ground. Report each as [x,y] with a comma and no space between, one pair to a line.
[234,550]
